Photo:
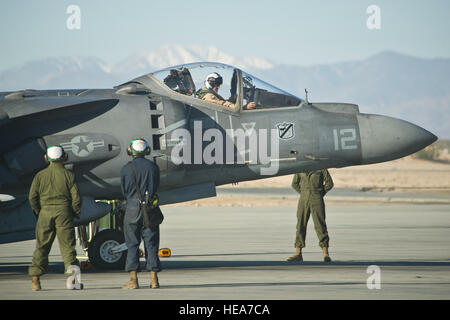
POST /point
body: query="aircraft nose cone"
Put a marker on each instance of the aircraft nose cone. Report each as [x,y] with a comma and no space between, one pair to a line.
[385,138]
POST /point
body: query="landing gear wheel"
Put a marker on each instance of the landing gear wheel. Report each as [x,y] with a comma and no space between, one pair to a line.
[100,250]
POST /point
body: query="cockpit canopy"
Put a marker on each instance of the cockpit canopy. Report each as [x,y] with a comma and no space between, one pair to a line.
[238,86]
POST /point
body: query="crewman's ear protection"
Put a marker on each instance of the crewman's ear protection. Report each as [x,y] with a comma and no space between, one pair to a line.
[63,159]
[55,153]
[138,146]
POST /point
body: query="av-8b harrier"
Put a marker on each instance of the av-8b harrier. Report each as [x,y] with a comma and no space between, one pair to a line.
[198,144]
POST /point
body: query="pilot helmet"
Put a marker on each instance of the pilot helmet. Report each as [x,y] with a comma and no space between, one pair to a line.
[212,80]
[55,153]
[138,146]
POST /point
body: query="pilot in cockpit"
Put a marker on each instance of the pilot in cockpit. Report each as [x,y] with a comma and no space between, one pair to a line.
[209,92]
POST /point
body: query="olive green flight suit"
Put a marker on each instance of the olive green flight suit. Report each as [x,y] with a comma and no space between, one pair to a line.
[312,186]
[211,96]
[55,199]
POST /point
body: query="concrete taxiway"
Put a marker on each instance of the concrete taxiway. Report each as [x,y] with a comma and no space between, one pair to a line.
[240,253]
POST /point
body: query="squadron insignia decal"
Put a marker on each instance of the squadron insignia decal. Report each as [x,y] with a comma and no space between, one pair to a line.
[286,130]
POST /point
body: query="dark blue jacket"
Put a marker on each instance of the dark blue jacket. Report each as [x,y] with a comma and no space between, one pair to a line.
[147,173]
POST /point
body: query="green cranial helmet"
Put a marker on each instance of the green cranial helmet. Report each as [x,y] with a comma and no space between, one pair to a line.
[138,146]
[55,153]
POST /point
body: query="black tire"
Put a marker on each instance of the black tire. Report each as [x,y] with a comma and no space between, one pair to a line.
[99,254]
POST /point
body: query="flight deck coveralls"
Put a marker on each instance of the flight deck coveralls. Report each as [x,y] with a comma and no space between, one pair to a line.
[312,186]
[55,199]
[148,175]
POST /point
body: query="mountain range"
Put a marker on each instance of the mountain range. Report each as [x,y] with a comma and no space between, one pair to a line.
[388,83]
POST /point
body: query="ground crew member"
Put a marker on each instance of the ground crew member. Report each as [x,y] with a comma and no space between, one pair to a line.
[312,186]
[55,200]
[209,92]
[147,175]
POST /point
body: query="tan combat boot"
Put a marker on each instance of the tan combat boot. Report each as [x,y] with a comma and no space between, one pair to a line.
[326,255]
[297,256]
[133,283]
[35,283]
[154,283]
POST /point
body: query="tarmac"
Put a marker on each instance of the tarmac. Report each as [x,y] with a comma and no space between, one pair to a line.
[384,252]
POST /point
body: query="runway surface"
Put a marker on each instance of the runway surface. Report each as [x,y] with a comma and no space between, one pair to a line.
[237,253]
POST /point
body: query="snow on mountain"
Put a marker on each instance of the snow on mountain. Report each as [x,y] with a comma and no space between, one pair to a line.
[84,72]
[170,55]
[57,72]
[389,83]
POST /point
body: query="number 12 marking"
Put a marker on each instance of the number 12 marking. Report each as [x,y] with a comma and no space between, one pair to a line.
[346,137]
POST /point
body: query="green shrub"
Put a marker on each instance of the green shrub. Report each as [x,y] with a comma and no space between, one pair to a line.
[428,153]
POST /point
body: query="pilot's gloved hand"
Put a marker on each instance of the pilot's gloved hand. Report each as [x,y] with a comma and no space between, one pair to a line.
[250,106]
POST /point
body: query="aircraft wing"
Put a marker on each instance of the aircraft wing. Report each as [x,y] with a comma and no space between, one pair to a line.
[22,117]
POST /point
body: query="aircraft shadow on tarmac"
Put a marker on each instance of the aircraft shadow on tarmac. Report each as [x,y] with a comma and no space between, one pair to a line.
[58,267]
[255,263]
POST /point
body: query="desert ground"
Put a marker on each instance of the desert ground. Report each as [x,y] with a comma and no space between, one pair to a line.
[407,175]
[235,245]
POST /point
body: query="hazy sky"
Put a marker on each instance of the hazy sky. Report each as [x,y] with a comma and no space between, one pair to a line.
[291,32]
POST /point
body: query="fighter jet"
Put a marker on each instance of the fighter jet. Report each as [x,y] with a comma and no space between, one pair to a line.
[198,144]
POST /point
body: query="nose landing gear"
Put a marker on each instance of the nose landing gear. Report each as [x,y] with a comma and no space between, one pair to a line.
[103,250]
